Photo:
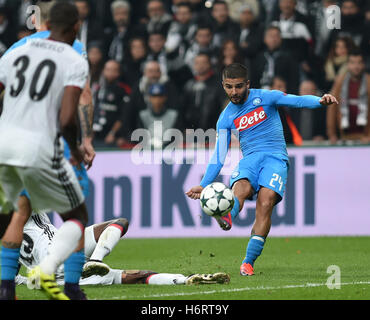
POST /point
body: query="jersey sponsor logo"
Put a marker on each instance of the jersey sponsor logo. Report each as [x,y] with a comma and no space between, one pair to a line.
[250,119]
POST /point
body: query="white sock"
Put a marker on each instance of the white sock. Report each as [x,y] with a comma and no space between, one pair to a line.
[90,243]
[107,241]
[166,279]
[64,243]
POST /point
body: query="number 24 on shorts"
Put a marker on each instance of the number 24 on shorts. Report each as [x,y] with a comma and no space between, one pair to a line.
[276,178]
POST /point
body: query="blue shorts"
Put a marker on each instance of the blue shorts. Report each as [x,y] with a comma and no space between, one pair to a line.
[263,169]
[82,178]
[80,171]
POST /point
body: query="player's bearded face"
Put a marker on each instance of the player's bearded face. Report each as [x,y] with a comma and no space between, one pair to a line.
[236,89]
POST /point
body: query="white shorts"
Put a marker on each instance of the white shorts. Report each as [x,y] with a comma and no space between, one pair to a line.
[54,189]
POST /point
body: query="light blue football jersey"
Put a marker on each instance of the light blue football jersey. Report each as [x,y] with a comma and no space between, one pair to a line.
[258,124]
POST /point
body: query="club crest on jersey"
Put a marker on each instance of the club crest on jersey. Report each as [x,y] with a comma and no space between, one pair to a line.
[250,119]
[256,101]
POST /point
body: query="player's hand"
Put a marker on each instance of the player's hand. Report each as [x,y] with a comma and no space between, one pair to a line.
[89,152]
[77,156]
[194,192]
[328,99]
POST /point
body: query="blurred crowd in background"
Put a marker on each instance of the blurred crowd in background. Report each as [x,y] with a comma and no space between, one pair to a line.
[161,60]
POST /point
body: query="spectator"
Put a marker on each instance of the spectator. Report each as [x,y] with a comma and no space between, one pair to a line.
[279,83]
[365,44]
[269,10]
[8,33]
[235,7]
[110,101]
[352,23]
[157,50]
[203,95]
[230,53]
[222,26]
[181,31]
[159,19]
[295,34]
[251,32]
[350,119]
[159,114]
[202,44]
[273,61]
[20,11]
[140,95]
[336,62]
[95,57]
[319,13]
[199,9]
[89,29]
[118,36]
[134,65]
[180,35]
[312,125]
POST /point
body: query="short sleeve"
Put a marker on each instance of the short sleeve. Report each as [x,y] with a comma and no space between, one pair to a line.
[77,74]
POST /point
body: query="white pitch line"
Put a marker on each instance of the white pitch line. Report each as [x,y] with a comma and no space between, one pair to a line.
[178,294]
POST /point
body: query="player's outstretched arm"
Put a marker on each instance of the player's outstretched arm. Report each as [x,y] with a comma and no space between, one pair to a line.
[86,117]
[305,101]
[68,120]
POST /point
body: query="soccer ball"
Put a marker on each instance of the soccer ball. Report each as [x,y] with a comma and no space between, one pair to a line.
[216,199]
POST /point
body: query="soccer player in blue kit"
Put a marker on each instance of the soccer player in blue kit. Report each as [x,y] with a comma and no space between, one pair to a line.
[264,167]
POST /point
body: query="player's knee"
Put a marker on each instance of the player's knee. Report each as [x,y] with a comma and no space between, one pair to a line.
[242,190]
[266,204]
[123,222]
[79,213]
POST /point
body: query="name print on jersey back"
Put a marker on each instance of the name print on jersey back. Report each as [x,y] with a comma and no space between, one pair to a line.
[36,75]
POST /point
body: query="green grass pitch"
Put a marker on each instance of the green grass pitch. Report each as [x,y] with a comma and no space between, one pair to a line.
[289,268]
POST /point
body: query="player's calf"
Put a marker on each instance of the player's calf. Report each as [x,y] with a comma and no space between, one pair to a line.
[108,238]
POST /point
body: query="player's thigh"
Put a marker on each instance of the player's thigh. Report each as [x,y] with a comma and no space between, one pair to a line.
[246,170]
[55,189]
[11,182]
[243,189]
[274,175]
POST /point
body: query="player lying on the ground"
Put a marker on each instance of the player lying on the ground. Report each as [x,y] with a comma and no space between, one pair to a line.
[100,239]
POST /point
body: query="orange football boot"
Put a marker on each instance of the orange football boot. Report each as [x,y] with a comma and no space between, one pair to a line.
[246,269]
[225,222]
